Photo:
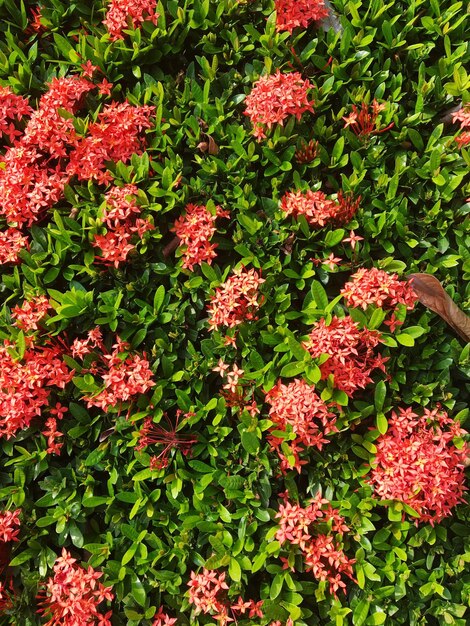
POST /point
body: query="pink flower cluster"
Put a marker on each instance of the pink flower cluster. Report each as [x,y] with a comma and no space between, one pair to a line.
[236,300]
[463,116]
[374,286]
[121,11]
[298,408]
[351,352]
[318,209]
[11,242]
[27,383]
[116,136]
[124,375]
[418,464]
[72,596]
[364,121]
[49,152]
[162,619]
[207,594]
[30,313]
[275,98]
[316,530]
[195,230]
[12,107]
[123,223]
[293,13]
[9,525]
[52,434]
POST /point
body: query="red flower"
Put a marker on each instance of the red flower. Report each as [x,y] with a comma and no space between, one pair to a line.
[418,464]
[298,408]
[170,438]
[9,525]
[11,242]
[275,98]
[374,286]
[120,11]
[12,107]
[463,116]
[195,230]
[236,300]
[293,13]
[317,208]
[322,553]
[162,619]
[352,358]
[30,313]
[73,595]
[365,122]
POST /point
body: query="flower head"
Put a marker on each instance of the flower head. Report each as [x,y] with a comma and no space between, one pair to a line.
[275,98]
[351,352]
[236,300]
[137,11]
[293,13]
[418,464]
[9,525]
[374,286]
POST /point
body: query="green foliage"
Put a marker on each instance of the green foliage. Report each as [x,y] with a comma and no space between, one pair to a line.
[145,528]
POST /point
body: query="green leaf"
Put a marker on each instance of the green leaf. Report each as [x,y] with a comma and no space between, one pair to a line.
[380,394]
[293,369]
[360,612]
[250,442]
[405,340]
[382,423]
[319,295]
[234,570]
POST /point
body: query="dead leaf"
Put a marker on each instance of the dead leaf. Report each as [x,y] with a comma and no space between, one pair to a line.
[431,293]
[213,147]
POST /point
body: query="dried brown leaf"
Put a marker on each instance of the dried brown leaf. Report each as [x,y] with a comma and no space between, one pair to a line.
[431,293]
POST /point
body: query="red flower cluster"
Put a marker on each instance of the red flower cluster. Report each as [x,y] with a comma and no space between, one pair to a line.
[73,595]
[364,122]
[318,209]
[26,384]
[122,223]
[275,98]
[152,433]
[30,313]
[298,408]
[195,230]
[40,164]
[12,107]
[120,11]
[124,375]
[378,287]
[10,525]
[351,352]
[236,300]
[206,593]
[463,116]
[52,434]
[417,463]
[11,242]
[162,619]
[293,13]
[315,530]
[115,137]
[33,178]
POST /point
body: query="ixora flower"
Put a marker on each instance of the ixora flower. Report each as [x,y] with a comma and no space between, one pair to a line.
[9,525]
[374,286]
[463,116]
[30,313]
[365,122]
[418,464]
[73,595]
[236,300]
[195,230]
[275,98]
[317,531]
[296,406]
[351,351]
[162,619]
[120,11]
[318,209]
[293,13]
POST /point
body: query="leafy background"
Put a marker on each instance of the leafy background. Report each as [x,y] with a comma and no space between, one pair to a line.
[146,531]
